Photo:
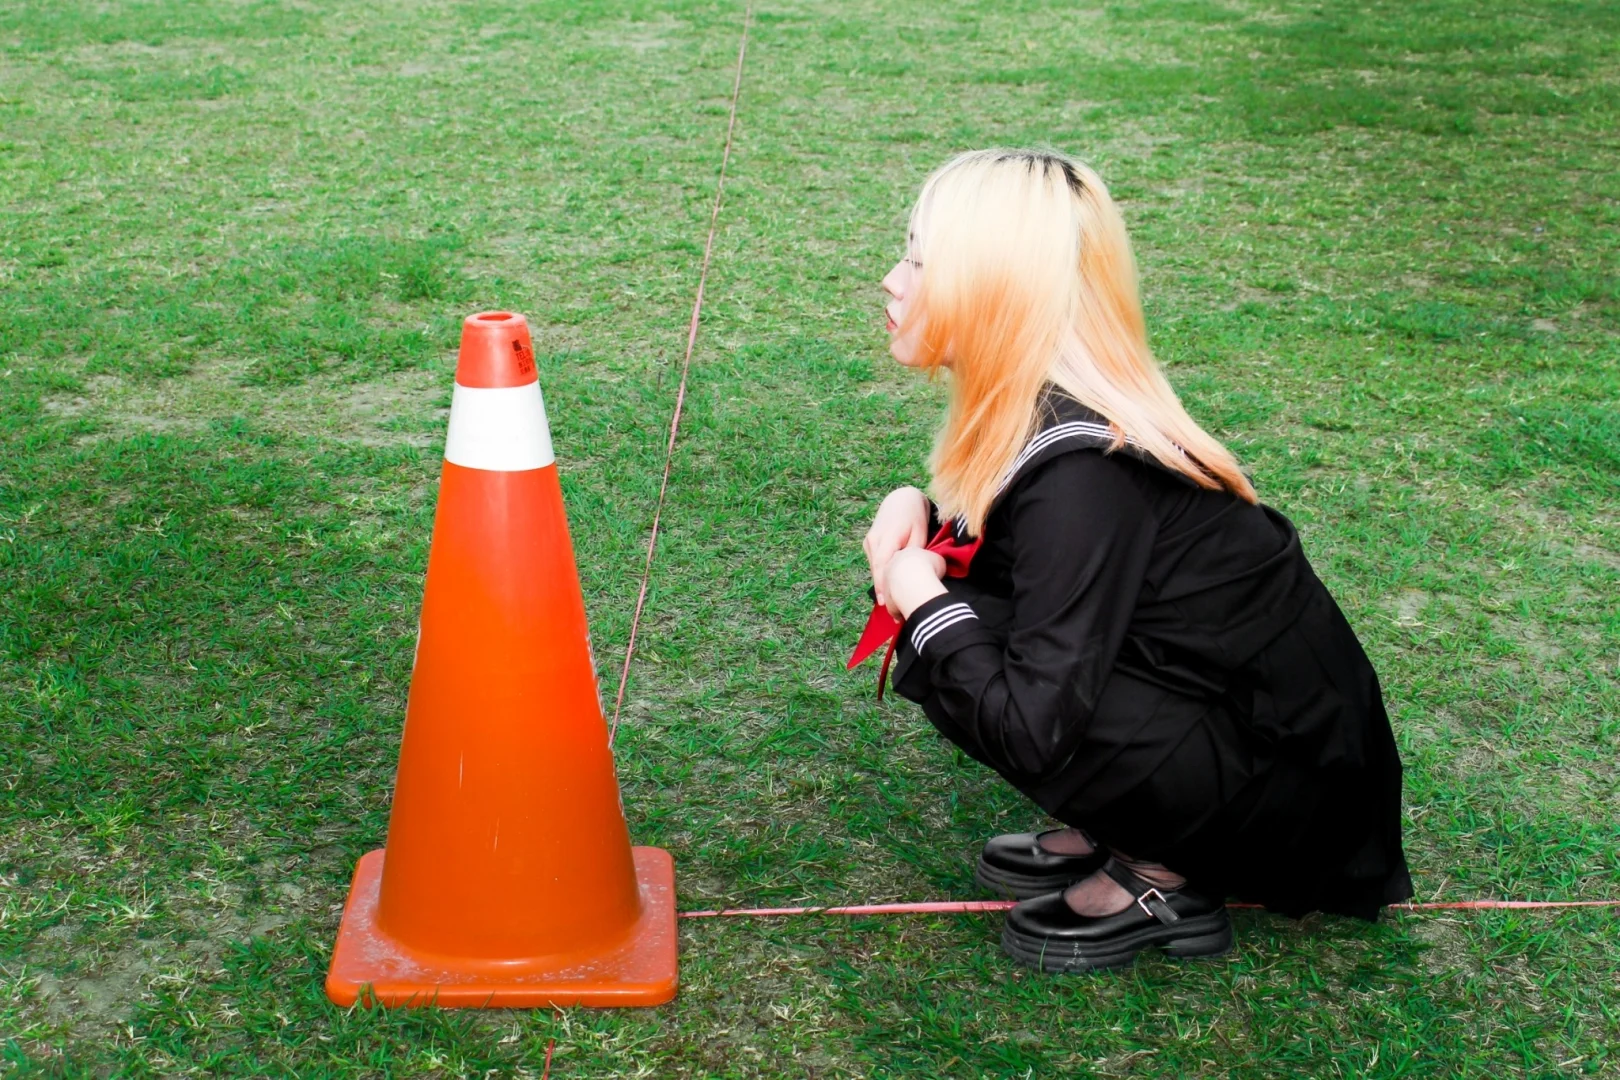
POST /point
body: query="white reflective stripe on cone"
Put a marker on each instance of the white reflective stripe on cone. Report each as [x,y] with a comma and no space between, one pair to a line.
[501,429]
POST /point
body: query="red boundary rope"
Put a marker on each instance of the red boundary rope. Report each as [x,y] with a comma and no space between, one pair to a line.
[969,907]
[686,364]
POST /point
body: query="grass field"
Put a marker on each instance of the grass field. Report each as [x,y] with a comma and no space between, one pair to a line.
[1380,246]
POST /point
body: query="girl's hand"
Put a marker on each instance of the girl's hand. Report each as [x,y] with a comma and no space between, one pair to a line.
[912,579]
[901,522]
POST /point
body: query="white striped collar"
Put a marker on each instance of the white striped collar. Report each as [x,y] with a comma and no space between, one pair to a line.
[1066,425]
[1090,432]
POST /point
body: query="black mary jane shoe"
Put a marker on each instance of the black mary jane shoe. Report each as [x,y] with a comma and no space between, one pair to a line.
[1046,933]
[1016,865]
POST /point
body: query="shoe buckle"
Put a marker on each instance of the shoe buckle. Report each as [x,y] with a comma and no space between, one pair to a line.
[1161,910]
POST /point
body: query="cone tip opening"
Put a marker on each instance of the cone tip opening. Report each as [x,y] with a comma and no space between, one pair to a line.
[495,351]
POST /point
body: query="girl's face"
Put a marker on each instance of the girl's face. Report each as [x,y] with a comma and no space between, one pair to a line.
[901,284]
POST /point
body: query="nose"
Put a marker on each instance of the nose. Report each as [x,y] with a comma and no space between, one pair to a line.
[890,285]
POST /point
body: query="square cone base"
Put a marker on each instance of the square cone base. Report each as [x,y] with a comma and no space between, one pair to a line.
[370,967]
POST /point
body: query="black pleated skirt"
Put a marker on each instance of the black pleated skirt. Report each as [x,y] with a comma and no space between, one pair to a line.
[1285,791]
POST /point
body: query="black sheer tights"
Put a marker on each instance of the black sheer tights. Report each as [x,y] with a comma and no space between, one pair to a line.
[1100,894]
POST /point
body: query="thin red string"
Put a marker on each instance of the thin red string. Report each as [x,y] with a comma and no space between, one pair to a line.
[686,364]
[968,907]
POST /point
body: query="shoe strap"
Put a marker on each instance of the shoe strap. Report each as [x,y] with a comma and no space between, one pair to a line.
[1148,896]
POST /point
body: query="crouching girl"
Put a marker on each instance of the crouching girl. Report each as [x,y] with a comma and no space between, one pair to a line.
[1096,606]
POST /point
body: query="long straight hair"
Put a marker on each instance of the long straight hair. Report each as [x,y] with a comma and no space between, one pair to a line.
[1026,278]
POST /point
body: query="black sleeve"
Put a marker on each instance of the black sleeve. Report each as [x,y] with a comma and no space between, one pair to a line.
[1081,532]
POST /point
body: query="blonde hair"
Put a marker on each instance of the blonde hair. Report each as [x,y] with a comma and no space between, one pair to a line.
[1027,278]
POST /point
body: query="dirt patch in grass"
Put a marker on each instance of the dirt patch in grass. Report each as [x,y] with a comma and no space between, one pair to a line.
[398,409]
[107,996]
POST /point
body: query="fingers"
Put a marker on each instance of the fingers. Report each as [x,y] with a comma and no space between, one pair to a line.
[897,527]
[918,536]
[878,554]
[885,595]
[881,546]
[912,576]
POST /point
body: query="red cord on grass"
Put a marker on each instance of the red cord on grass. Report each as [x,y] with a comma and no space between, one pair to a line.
[1497,905]
[939,907]
[686,364]
[968,907]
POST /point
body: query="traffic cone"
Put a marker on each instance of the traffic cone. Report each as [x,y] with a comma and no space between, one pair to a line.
[508,879]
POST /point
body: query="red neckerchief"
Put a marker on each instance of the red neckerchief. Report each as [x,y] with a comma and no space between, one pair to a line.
[882,627]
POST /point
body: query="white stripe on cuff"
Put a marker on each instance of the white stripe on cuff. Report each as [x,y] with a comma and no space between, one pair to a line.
[948,609]
[945,617]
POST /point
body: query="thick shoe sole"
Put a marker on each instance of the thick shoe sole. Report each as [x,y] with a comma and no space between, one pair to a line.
[1193,937]
[1006,883]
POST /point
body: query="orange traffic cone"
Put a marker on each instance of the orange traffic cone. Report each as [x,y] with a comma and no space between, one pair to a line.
[508,879]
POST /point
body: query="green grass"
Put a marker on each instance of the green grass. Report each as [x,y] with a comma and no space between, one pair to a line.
[1379,247]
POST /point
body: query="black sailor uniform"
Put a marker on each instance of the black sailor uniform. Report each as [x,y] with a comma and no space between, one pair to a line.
[1158,664]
